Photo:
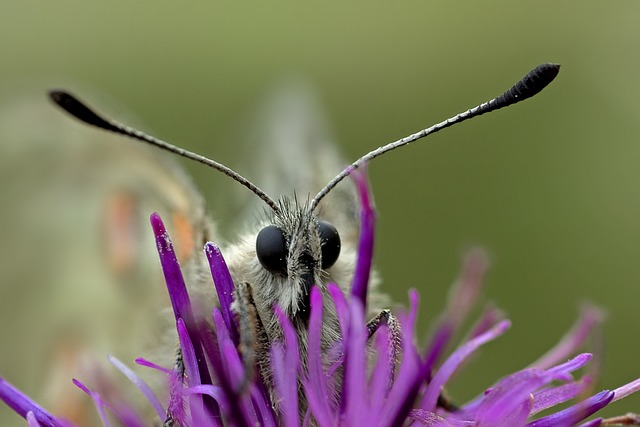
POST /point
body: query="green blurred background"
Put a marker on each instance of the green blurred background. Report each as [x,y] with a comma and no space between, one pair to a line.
[551,188]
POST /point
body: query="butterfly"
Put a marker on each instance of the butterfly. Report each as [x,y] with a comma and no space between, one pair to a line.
[298,243]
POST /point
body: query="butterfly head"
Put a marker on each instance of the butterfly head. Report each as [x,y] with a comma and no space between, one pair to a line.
[295,249]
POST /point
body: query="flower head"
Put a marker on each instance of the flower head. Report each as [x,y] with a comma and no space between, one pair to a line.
[370,377]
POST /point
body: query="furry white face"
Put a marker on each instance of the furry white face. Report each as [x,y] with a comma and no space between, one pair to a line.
[292,251]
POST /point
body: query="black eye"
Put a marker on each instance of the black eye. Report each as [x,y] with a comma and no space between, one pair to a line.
[271,249]
[330,243]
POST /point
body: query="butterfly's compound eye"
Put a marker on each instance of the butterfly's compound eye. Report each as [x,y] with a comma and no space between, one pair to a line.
[330,243]
[271,248]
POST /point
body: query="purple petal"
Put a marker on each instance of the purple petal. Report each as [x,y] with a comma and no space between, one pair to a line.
[447,369]
[263,407]
[412,374]
[224,287]
[553,396]
[384,370]
[285,370]
[316,384]
[221,326]
[229,370]
[342,307]
[180,301]
[176,397]
[506,399]
[235,368]
[286,386]
[97,400]
[124,413]
[488,320]
[464,293]
[210,390]
[251,402]
[196,403]
[514,414]
[237,376]
[590,317]
[188,354]
[575,413]
[360,282]
[626,390]
[22,405]
[172,274]
[144,362]
[140,385]
[439,341]
[563,371]
[31,420]
[354,391]
[593,423]
[462,299]
[509,396]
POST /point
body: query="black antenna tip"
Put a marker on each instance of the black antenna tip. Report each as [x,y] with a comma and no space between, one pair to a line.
[540,77]
[78,109]
[530,85]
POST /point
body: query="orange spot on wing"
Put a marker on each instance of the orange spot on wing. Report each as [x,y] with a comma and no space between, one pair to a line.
[183,236]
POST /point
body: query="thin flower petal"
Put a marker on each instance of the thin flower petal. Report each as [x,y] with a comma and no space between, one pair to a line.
[172,274]
[124,413]
[626,390]
[211,390]
[188,355]
[590,317]
[176,406]
[224,287]
[384,370]
[360,284]
[354,393]
[97,400]
[411,375]
[548,398]
[575,413]
[31,420]
[226,367]
[237,376]
[593,423]
[140,385]
[462,299]
[285,371]
[451,364]
[262,405]
[490,317]
[563,371]
[315,385]
[196,403]
[342,307]
[180,301]
[22,404]
[144,362]
[507,397]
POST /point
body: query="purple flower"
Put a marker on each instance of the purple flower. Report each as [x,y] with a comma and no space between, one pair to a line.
[377,383]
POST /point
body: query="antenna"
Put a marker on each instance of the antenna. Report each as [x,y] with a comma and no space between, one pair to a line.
[528,86]
[82,112]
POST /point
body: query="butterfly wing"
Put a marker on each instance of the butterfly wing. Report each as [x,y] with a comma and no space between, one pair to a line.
[294,152]
[79,271]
